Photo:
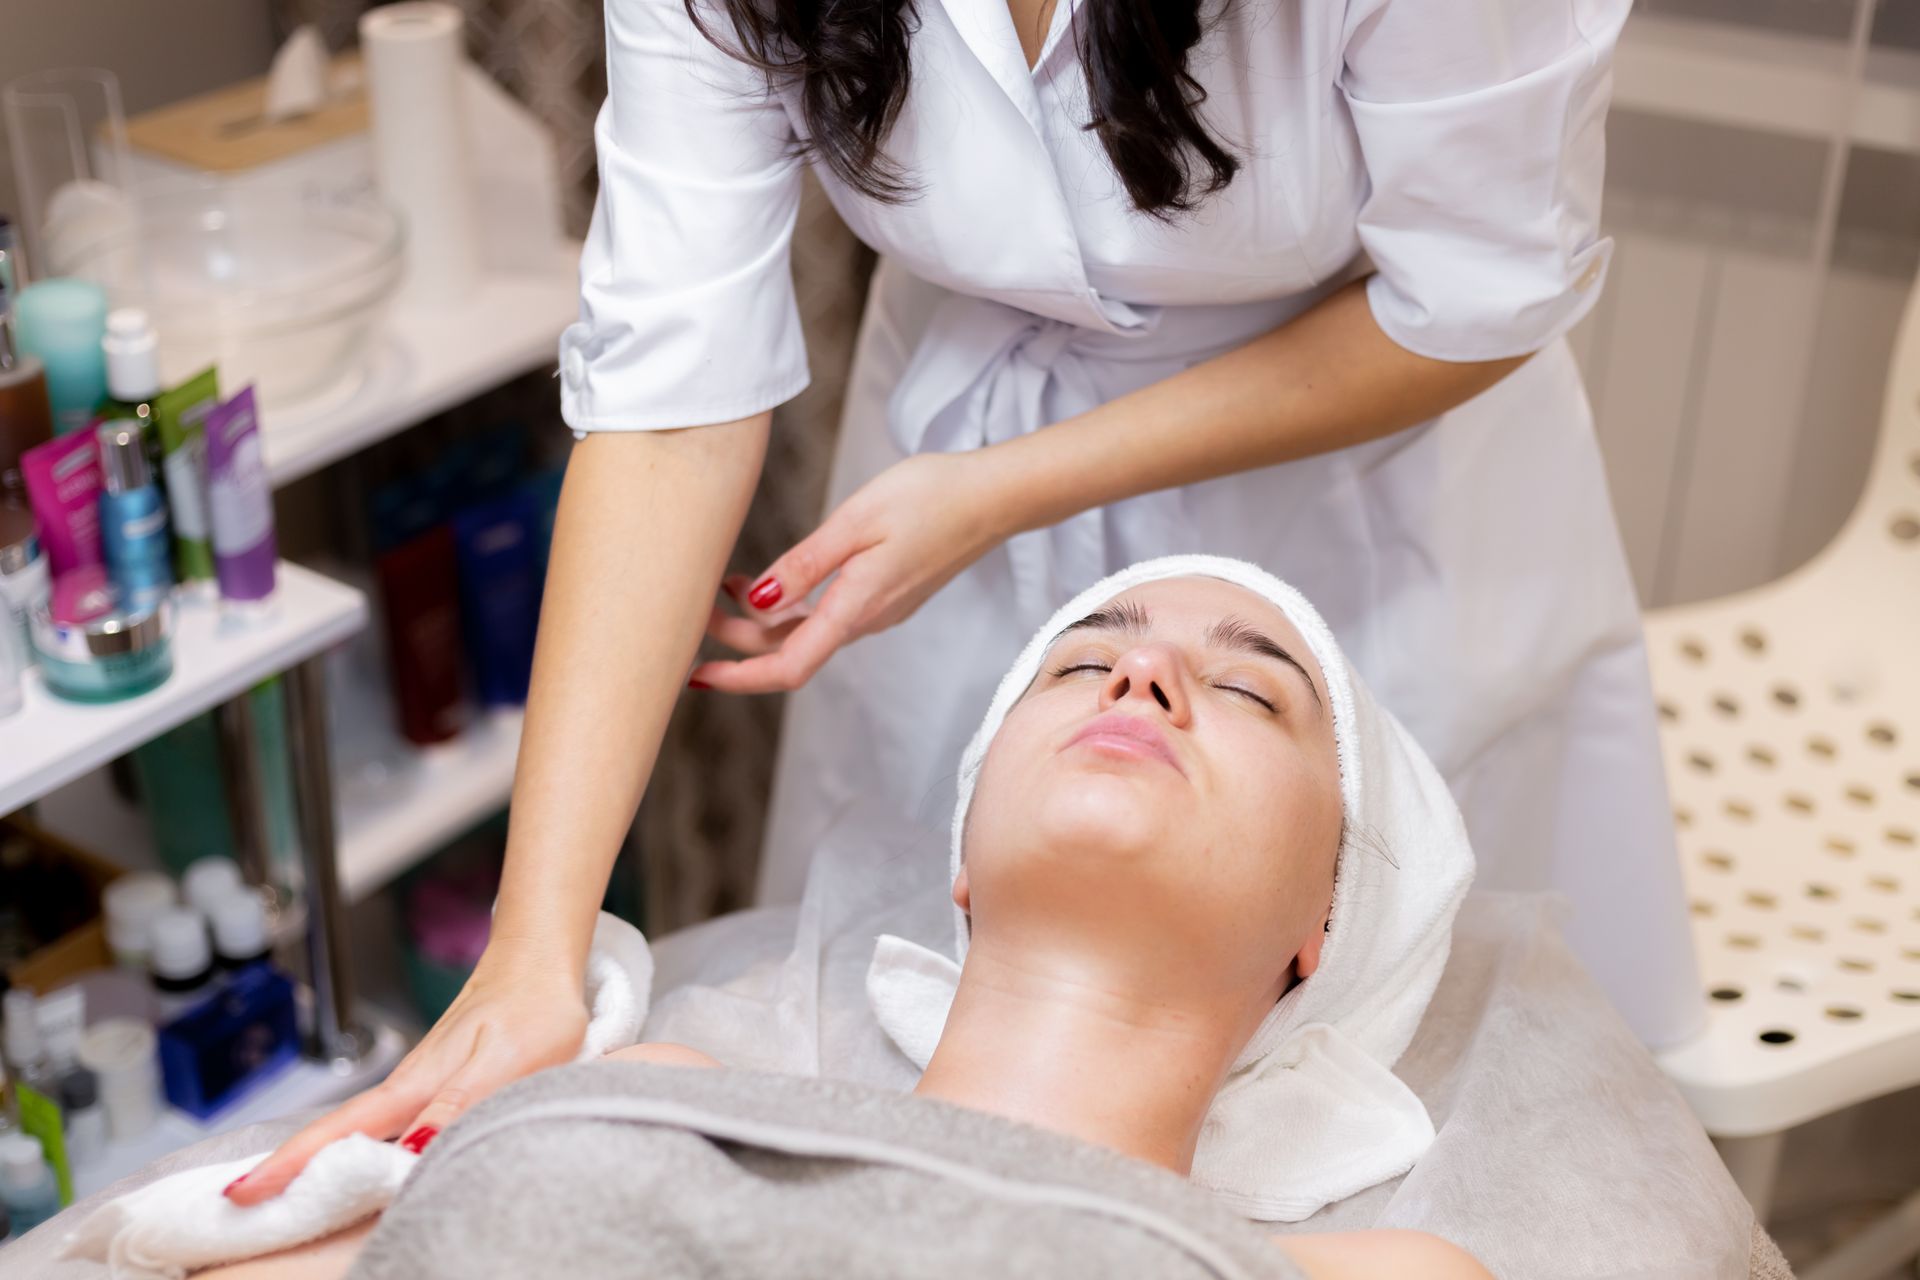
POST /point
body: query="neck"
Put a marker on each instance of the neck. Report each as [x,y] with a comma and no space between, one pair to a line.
[1064,1051]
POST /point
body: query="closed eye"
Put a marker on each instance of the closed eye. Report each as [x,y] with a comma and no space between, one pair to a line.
[1068,670]
[1247,693]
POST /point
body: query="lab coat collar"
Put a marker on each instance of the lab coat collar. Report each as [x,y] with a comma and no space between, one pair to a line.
[987,27]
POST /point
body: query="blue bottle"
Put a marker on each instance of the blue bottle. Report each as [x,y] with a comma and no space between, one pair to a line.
[230,1043]
[499,553]
[27,1185]
[133,517]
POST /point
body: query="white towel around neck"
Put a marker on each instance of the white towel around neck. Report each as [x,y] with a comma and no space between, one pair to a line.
[1311,1112]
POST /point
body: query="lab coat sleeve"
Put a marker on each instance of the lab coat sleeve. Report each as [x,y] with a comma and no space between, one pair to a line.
[687,309]
[1482,127]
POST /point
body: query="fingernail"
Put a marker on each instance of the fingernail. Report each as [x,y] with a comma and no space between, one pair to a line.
[228,1189]
[698,684]
[765,594]
[417,1141]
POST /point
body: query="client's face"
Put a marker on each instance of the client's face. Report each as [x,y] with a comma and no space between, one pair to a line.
[1162,807]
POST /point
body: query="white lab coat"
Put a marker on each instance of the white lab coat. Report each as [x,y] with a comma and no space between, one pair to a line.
[1471,565]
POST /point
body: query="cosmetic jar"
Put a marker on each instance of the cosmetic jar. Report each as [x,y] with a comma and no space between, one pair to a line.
[209,879]
[124,1056]
[130,902]
[93,650]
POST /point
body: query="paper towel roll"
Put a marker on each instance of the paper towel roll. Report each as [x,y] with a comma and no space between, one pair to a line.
[414,55]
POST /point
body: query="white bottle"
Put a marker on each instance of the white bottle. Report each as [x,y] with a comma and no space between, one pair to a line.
[209,879]
[181,962]
[240,931]
[26,1183]
[130,903]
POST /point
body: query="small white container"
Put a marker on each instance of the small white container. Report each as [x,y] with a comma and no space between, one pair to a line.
[130,903]
[208,880]
[124,1056]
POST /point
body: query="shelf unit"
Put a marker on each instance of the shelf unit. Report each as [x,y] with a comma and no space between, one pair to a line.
[52,742]
[423,360]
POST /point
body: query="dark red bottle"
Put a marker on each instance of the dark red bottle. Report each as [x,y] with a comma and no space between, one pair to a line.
[420,596]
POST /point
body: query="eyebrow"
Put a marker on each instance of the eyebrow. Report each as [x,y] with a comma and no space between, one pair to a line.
[1129,618]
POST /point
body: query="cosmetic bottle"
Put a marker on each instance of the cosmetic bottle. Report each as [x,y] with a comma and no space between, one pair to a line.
[499,575]
[11,276]
[239,931]
[26,414]
[86,1118]
[27,1184]
[185,798]
[61,1016]
[36,1086]
[181,962]
[124,1056]
[62,321]
[420,606]
[133,517]
[130,903]
[132,356]
[24,578]
[223,1048]
[207,880]
[14,662]
[179,419]
[239,502]
[63,484]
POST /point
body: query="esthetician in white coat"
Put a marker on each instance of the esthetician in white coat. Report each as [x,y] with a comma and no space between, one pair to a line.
[1348,365]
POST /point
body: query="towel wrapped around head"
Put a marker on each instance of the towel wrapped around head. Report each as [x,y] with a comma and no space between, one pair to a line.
[1311,1112]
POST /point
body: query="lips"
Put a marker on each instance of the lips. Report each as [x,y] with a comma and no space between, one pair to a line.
[1126,735]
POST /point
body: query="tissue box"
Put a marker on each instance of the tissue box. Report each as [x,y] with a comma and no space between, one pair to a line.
[224,136]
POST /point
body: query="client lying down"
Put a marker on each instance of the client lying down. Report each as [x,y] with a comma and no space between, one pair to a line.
[1204,890]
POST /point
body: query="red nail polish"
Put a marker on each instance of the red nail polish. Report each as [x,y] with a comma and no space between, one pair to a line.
[765,594]
[698,684]
[228,1189]
[417,1141]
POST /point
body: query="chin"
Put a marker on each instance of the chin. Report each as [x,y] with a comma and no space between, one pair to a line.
[1103,810]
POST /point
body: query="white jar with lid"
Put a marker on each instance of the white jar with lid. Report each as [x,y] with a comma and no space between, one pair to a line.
[130,902]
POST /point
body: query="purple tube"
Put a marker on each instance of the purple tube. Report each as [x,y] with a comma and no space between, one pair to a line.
[239,501]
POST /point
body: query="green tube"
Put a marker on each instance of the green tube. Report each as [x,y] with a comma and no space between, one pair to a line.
[179,418]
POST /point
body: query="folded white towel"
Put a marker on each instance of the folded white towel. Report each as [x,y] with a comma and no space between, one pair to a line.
[1312,1111]
[182,1222]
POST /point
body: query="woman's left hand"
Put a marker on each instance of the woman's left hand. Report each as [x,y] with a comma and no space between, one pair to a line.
[900,538]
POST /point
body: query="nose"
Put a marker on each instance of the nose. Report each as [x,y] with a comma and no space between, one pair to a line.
[1149,672]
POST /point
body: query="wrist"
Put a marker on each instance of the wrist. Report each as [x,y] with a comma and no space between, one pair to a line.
[532,959]
[1005,487]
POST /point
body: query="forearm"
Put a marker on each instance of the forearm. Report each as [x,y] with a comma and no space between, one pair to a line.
[646,522]
[1325,380]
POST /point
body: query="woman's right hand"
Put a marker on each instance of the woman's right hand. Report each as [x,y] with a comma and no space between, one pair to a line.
[512,1018]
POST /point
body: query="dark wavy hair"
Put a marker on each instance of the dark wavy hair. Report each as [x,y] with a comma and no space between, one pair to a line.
[850,60]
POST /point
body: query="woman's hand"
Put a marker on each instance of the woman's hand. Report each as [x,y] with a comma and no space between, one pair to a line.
[511,1019]
[896,541]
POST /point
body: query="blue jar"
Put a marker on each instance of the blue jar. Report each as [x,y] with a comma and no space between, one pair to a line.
[133,517]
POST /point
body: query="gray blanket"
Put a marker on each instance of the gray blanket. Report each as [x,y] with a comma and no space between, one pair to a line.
[620,1168]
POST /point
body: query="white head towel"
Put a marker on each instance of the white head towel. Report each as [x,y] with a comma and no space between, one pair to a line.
[1312,1111]
[181,1223]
